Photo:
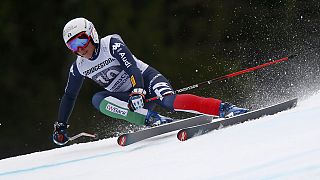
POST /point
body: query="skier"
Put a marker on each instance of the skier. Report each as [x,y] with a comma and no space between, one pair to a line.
[127,83]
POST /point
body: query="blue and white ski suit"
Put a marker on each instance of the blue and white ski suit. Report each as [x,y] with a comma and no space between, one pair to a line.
[118,71]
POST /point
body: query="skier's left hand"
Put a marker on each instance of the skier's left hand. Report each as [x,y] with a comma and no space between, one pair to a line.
[136,99]
[60,136]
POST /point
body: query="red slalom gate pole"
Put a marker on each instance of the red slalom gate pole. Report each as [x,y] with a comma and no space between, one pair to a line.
[228,76]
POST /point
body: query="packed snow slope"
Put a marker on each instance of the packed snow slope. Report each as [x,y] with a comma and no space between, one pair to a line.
[282,146]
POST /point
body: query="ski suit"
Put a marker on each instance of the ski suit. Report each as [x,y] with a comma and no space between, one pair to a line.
[118,71]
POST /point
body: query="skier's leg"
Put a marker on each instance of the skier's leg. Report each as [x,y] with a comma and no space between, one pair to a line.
[201,105]
[159,86]
[194,104]
[115,105]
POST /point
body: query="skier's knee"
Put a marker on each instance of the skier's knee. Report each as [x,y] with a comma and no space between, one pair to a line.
[97,99]
[168,101]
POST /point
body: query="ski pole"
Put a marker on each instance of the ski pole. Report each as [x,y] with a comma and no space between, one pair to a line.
[228,76]
[82,134]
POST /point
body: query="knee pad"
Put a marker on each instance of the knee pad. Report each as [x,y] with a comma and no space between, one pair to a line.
[97,99]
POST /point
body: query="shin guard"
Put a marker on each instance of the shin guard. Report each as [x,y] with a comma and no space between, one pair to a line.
[115,108]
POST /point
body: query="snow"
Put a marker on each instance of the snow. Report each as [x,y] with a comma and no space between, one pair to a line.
[282,146]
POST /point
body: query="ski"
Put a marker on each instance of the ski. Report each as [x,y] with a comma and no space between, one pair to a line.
[190,132]
[130,138]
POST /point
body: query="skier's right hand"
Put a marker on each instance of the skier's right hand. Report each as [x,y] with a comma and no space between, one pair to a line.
[60,136]
[136,99]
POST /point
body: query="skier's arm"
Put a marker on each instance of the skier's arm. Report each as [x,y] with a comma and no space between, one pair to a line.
[72,89]
[122,53]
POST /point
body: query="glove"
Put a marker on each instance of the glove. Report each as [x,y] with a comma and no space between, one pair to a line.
[136,99]
[60,136]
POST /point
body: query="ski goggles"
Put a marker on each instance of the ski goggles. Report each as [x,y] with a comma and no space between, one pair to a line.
[79,41]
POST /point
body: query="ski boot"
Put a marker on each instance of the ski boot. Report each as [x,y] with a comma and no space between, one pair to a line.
[228,110]
[154,119]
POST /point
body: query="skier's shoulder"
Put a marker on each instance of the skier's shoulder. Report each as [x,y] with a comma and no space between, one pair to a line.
[76,65]
[107,39]
[111,36]
[111,42]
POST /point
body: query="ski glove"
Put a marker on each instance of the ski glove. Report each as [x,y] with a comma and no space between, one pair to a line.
[60,136]
[136,99]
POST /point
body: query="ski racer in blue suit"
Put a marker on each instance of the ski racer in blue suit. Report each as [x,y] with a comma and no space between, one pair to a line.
[127,83]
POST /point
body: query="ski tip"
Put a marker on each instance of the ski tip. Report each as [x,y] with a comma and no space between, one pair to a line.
[122,140]
[182,135]
[295,100]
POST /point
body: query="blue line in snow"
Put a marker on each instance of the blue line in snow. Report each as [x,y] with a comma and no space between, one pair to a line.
[57,164]
[76,160]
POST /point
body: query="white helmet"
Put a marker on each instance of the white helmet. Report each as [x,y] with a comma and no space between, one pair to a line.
[77,25]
